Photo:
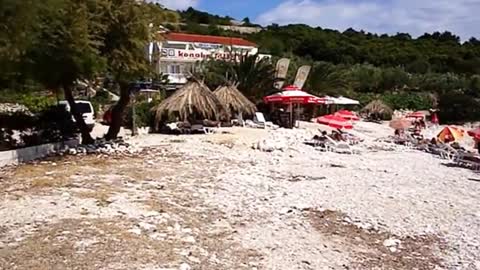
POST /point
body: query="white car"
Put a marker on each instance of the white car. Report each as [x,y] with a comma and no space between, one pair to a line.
[85,108]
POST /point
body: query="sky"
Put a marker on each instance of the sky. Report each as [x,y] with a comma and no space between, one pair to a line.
[377,16]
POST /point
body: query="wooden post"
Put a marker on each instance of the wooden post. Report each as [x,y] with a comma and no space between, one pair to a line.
[134,126]
[291,115]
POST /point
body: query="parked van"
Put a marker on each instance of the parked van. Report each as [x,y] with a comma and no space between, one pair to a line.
[85,108]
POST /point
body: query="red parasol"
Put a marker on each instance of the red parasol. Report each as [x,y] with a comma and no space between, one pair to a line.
[475,133]
[293,94]
[349,115]
[334,121]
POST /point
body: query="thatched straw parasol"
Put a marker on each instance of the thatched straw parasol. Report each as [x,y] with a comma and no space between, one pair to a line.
[192,100]
[377,107]
[234,101]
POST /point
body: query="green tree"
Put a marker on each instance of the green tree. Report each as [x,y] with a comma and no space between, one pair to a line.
[127,35]
[67,48]
[327,79]
[366,78]
[473,88]
[18,20]
[456,107]
[393,79]
[254,77]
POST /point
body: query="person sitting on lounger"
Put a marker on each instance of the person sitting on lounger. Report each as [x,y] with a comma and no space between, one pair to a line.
[321,138]
[336,136]
[457,146]
[417,131]
[422,124]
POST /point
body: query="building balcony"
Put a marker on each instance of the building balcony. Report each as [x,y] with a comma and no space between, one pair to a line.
[177,78]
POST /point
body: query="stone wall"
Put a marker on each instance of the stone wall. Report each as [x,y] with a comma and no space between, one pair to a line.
[17,156]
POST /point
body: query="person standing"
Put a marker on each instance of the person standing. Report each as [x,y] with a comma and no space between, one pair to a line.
[435,120]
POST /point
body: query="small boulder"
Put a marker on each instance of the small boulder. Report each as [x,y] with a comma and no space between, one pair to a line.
[391,242]
[185,266]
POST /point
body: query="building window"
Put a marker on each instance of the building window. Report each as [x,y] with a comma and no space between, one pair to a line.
[173,69]
[180,46]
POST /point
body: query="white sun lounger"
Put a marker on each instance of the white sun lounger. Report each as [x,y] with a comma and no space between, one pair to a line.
[209,130]
[259,119]
[317,144]
[339,147]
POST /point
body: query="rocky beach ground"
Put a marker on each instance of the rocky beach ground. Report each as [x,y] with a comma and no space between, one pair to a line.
[214,202]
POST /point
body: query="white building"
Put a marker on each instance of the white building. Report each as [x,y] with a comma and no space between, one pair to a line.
[180,53]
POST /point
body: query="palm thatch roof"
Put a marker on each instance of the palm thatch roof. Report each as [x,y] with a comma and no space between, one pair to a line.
[377,107]
[234,101]
[194,99]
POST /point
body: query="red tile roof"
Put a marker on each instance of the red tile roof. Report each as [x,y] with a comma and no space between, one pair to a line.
[209,39]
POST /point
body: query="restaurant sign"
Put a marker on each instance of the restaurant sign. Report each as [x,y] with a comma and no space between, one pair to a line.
[198,55]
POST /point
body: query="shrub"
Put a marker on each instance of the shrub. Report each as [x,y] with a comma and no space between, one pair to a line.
[34,102]
[37,103]
[100,99]
[457,107]
[7,141]
[53,124]
[408,100]
[399,100]
[143,115]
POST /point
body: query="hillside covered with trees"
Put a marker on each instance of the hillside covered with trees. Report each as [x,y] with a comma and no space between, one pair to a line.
[435,69]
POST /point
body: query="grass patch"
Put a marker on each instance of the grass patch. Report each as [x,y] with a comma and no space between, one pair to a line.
[102,196]
[51,182]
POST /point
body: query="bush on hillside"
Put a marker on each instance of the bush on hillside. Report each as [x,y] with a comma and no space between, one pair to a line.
[399,100]
[408,100]
[458,108]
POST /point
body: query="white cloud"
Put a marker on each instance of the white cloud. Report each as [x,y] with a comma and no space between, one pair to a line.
[381,16]
[177,4]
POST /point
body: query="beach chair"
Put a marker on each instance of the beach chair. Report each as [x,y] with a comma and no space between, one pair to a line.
[468,160]
[259,119]
[339,147]
[447,152]
[209,130]
[351,139]
[251,124]
[317,144]
[238,121]
[197,128]
[423,147]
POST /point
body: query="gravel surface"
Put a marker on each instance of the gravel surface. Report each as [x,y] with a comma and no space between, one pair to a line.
[213,202]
